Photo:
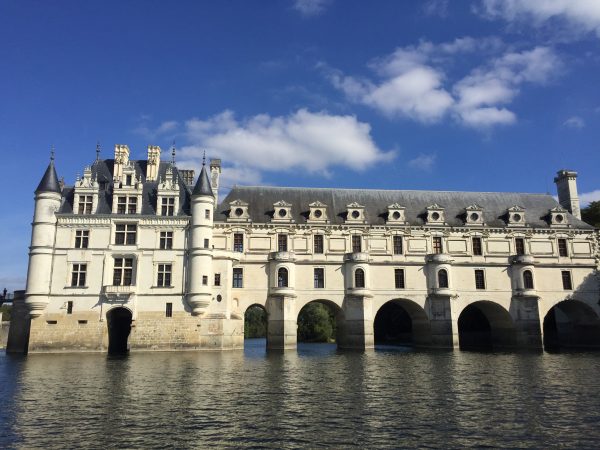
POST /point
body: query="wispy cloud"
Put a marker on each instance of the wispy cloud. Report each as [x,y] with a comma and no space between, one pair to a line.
[311,8]
[588,197]
[423,162]
[574,122]
[436,8]
[166,128]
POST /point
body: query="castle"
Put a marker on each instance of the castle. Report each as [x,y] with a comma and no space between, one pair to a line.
[138,255]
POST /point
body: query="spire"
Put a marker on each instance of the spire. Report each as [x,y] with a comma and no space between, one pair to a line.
[203,184]
[97,151]
[173,154]
[49,181]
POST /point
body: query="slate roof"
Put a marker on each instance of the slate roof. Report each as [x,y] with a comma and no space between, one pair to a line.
[49,182]
[103,170]
[203,184]
[494,204]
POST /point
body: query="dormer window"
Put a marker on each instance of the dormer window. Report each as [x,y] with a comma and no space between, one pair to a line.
[435,215]
[167,207]
[283,211]
[516,215]
[318,212]
[126,205]
[396,214]
[355,213]
[238,211]
[85,204]
[558,217]
[474,215]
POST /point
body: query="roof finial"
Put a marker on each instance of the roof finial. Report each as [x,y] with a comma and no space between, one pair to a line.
[97,150]
[52,153]
[204,158]
[173,153]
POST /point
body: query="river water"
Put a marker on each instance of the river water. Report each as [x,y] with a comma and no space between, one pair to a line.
[315,397]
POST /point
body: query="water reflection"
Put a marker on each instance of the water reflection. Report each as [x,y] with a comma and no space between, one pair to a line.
[317,396]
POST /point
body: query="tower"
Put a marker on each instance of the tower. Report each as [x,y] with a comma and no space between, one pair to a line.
[566,185]
[201,253]
[47,202]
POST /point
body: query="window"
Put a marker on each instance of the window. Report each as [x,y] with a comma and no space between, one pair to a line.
[123,272]
[282,277]
[520,246]
[167,207]
[78,275]
[528,279]
[566,280]
[442,279]
[132,205]
[85,204]
[166,240]
[126,205]
[479,279]
[437,244]
[477,248]
[206,243]
[169,310]
[238,277]
[69,307]
[128,180]
[359,278]
[318,243]
[319,278]
[562,247]
[397,245]
[204,280]
[207,213]
[164,275]
[82,238]
[125,234]
[356,243]
[217,279]
[399,278]
[282,242]
[238,242]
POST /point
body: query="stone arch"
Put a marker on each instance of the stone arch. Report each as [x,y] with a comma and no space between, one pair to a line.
[282,277]
[118,321]
[442,278]
[260,319]
[340,319]
[571,324]
[402,322]
[486,325]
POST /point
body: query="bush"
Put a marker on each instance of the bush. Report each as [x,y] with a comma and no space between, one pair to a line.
[316,323]
[255,323]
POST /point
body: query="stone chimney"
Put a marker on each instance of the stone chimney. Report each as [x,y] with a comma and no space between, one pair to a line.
[566,185]
[188,176]
[153,163]
[121,160]
[215,172]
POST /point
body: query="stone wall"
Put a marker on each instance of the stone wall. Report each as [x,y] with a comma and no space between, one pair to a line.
[4,327]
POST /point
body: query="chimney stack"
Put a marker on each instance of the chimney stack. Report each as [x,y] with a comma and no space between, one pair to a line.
[153,163]
[566,185]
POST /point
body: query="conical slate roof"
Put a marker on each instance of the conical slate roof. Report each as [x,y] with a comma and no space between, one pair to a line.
[49,181]
[203,184]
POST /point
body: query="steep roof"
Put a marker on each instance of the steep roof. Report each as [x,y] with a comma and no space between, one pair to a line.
[494,204]
[203,184]
[49,182]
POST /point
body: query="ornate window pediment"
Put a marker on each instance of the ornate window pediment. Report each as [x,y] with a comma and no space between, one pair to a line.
[282,211]
[474,215]
[558,217]
[355,213]
[435,215]
[318,212]
[396,214]
[516,215]
[167,203]
[238,211]
[86,193]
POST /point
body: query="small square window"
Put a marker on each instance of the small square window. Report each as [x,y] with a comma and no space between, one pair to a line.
[437,245]
[204,280]
[217,279]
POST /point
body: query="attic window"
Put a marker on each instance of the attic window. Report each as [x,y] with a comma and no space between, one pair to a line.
[396,215]
[282,212]
[474,217]
[435,216]
[239,212]
[318,213]
[517,217]
[559,218]
[355,214]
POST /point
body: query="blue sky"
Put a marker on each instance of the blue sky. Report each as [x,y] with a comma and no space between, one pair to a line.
[480,95]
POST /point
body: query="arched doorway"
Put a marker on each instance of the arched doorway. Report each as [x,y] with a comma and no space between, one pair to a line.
[255,327]
[321,321]
[485,325]
[571,324]
[402,322]
[119,328]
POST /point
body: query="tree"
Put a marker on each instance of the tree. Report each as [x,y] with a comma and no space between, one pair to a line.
[316,323]
[255,322]
[591,214]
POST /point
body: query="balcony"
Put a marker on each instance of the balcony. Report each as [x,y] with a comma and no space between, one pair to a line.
[524,260]
[118,293]
[282,256]
[442,292]
[439,258]
[357,257]
[283,291]
[522,292]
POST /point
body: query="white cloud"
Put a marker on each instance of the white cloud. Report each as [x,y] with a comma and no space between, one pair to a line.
[302,141]
[310,8]
[436,8]
[588,197]
[423,162]
[413,84]
[578,15]
[574,122]
[148,132]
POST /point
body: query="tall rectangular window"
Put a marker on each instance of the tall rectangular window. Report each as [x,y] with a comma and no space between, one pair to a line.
[78,275]
[82,238]
[566,280]
[397,245]
[318,243]
[121,205]
[238,242]
[477,248]
[207,213]
[204,280]
[479,279]
[125,234]
[399,278]
[167,206]
[123,272]
[164,275]
[70,307]
[85,204]
[520,246]
[217,279]
[319,278]
[166,240]
[562,248]
[132,205]
[238,277]
[169,310]
[206,243]
[356,243]
[437,245]
[282,242]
